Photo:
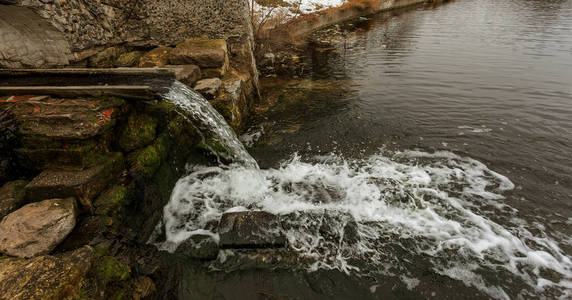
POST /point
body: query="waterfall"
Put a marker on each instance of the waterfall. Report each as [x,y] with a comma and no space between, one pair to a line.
[210,124]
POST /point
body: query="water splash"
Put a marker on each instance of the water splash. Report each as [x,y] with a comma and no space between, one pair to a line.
[217,135]
[404,207]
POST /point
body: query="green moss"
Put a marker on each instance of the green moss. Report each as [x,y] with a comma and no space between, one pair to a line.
[129,59]
[112,201]
[147,161]
[215,148]
[157,57]
[166,177]
[139,131]
[106,58]
[176,126]
[109,268]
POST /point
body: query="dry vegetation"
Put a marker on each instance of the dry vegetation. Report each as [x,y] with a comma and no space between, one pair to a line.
[276,28]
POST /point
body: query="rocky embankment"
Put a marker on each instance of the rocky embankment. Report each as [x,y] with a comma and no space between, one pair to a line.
[100,163]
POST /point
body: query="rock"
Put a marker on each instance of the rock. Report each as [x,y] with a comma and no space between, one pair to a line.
[214,72]
[111,201]
[143,287]
[145,162]
[129,59]
[37,228]
[158,57]
[109,268]
[28,40]
[204,53]
[332,226]
[106,58]
[63,133]
[231,102]
[85,183]
[11,196]
[268,60]
[250,229]
[187,74]
[45,277]
[208,87]
[199,246]
[87,231]
[333,221]
[137,132]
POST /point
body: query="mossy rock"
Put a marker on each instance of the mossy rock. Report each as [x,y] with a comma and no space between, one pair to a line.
[138,131]
[146,162]
[12,196]
[106,58]
[109,268]
[158,57]
[129,59]
[112,201]
[216,149]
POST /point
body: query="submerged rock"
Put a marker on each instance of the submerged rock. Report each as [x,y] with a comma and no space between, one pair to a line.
[199,246]
[11,196]
[333,226]
[45,277]
[37,228]
[250,229]
[209,88]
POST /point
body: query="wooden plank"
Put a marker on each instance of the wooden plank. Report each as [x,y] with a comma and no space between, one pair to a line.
[142,92]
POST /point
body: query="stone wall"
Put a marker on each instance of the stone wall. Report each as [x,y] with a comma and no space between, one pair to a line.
[101,171]
[90,26]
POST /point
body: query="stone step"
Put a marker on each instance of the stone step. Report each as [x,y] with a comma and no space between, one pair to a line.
[63,118]
[85,183]
[63,133]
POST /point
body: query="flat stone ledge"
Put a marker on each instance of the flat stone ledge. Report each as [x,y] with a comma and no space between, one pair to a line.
[159,72]
[123,91]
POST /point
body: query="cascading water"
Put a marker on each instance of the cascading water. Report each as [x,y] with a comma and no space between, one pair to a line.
[383,214]
[209,122]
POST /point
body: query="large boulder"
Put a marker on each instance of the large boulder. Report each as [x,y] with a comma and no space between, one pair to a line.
[37,228]
[11,197]
[45,277]
[209,88]
[250,229]
[207,54]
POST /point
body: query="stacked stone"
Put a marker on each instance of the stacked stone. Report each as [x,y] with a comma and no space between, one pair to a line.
[201,64]
[91,156]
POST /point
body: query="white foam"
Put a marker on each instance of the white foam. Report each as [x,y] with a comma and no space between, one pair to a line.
[430,198]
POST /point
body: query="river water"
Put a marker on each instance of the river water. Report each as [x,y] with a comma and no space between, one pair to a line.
[443,132]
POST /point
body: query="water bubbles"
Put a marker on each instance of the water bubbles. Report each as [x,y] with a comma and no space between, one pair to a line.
[384,212]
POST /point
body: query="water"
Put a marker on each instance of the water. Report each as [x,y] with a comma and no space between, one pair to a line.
[442,135]
[222,140]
